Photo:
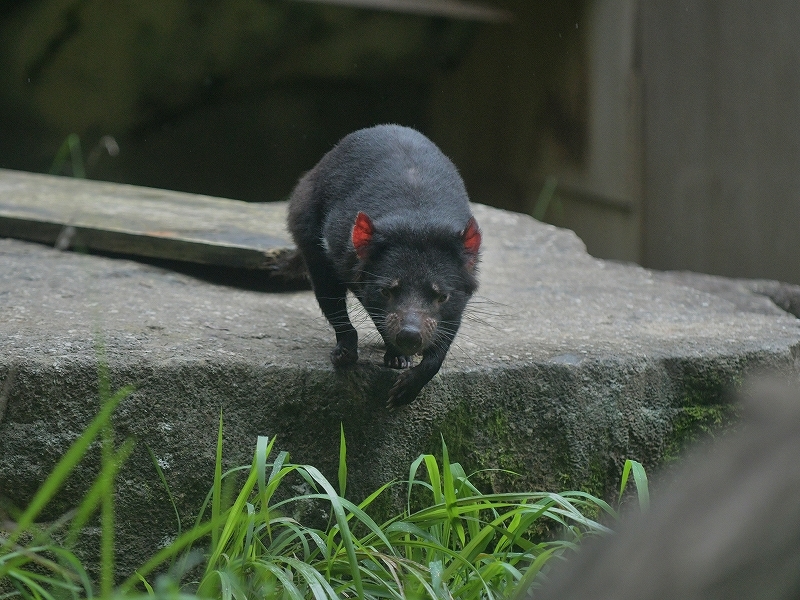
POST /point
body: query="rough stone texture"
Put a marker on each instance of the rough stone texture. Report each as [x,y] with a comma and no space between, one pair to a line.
[722,527]
[751,295]
[566,366]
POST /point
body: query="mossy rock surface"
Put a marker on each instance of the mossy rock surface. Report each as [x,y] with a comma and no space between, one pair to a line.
[565,366]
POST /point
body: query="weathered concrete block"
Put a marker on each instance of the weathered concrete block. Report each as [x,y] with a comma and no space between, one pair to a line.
[566,366]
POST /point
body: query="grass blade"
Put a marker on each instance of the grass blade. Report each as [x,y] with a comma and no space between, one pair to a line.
[66,465]
[341,521]
[342,462]
[216,495]
[642,490]
[164,483]
[95,493]
[524,584]
[640,479]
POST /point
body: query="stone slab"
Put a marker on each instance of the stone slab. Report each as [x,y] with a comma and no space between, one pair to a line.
[144,222]
[566,365]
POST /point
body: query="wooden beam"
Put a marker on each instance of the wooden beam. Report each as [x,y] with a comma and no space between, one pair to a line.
[454,9]
[138,221]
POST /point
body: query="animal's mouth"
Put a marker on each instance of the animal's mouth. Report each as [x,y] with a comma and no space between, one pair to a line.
[409,340]
[410,350]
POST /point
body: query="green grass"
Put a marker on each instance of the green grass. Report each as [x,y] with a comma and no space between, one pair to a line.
[451,541]
[70,154]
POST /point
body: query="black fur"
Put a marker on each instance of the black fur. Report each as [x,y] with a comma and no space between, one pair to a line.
[416,274]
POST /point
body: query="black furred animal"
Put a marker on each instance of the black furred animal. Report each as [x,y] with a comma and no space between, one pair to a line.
[386,215]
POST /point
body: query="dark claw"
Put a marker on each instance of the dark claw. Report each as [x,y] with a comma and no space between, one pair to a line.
[404,391]
[396,362]
[342,356]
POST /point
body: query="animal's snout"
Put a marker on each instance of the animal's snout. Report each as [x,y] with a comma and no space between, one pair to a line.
[410,331]
[409,339]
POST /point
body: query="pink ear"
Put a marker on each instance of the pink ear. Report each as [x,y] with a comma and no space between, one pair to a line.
[362,234]
[472,239]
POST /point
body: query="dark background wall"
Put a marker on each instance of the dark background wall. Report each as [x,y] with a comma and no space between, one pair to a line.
[661,132]
[722,137]
[238,97]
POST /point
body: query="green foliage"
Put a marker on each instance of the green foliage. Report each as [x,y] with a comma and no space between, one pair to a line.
[693,424]
[70,154]
[69,159]
[547,198]
[450,542]
[640,479]
[460,544]
[32,563]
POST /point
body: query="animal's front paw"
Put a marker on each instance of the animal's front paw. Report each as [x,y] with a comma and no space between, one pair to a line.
[404,390]
[394,361]
[344,356]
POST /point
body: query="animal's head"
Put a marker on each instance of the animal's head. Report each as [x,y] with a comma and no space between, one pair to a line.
[415,282]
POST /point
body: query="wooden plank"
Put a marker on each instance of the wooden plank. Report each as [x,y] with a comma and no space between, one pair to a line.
[110,217]
[454,9]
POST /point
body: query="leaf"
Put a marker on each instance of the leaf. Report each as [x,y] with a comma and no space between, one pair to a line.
[342,462]
[263,447]
[216,496]
[521,589]
[640,479]
[341,520]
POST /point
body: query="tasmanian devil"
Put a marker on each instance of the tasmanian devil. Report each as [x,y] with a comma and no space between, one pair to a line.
[385,214]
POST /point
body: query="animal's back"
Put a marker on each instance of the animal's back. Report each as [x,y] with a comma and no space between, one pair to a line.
[394,174]
[382,170]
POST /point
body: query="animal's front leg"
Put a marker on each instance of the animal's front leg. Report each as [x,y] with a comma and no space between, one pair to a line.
[410,383]
[331,295]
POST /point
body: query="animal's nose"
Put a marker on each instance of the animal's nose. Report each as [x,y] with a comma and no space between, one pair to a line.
[409,339]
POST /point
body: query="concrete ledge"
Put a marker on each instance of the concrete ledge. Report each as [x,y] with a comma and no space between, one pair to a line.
[566,366]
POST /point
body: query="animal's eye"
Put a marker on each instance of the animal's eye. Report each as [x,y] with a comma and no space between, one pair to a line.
[442,298]
[390,289]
